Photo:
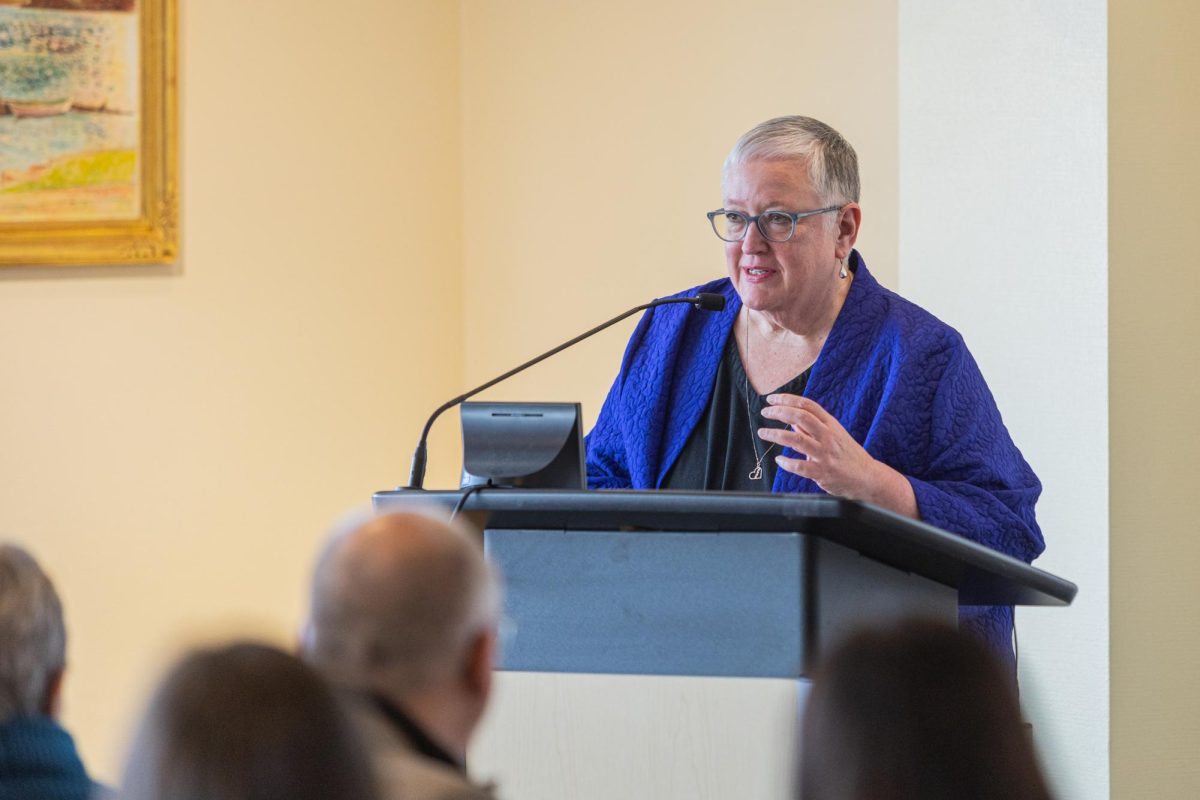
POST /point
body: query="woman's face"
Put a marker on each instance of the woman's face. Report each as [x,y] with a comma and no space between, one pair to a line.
[792,277]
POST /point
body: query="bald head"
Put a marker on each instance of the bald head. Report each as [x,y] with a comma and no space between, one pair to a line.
[396,603]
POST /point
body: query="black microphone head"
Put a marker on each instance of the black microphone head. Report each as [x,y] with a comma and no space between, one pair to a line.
[710,301]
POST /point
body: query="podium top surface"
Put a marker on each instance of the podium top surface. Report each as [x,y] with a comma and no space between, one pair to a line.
[981,575]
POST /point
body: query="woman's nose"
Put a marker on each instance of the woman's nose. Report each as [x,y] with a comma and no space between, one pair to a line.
[754,241]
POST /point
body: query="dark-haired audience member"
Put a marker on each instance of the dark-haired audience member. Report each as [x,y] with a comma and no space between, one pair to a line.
[246,722]
[38,760]
[404,616]
[917,711]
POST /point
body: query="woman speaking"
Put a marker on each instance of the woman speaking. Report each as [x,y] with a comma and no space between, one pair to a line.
[815,378]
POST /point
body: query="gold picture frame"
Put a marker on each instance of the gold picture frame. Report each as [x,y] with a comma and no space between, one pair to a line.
[147,230]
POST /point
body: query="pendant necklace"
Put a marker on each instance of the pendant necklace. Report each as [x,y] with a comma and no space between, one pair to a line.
[757,472]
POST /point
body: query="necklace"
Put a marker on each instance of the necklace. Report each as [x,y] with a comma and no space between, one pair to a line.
[757,472]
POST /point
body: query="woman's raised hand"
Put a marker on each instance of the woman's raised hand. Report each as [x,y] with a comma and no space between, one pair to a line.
[832,458]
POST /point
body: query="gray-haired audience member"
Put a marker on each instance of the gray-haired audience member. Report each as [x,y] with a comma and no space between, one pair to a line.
[38,760]
[404,612]
[246,722]
[919,711]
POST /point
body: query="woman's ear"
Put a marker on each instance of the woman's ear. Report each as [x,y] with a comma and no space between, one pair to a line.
[848,222]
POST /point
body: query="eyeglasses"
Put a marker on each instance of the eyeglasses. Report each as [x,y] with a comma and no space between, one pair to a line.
[775,226]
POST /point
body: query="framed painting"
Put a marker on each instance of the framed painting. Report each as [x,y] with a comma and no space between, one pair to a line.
[88,140]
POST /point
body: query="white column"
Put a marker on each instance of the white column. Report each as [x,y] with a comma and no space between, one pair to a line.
[1003,234]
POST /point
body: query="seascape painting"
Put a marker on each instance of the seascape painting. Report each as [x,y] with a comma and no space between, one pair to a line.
[70,110]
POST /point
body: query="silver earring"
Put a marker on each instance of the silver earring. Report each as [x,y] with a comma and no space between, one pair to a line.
[842,272]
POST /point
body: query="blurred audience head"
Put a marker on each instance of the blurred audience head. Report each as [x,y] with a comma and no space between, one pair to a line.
[33,638]
[245,722]
[404,607]
[918,710]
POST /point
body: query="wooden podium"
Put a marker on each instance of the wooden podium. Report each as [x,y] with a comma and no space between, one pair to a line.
[657,642]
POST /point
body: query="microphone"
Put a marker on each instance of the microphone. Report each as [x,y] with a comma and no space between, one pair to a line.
[705,301]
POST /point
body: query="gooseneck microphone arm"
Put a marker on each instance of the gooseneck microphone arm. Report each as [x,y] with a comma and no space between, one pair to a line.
[705,301]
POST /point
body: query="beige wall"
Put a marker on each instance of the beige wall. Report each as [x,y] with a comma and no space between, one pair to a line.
[174,440]
[593,140]
[1154,174]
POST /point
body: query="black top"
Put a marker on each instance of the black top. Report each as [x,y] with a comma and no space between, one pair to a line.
[719,455]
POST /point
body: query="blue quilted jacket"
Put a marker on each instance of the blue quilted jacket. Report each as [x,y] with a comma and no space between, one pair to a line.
[898,379]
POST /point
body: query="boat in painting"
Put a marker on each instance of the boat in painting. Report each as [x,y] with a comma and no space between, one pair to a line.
[38,108]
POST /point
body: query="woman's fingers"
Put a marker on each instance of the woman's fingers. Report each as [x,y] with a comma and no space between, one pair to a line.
[800,412]
[798,440]
[798,418]
[797,466]
[796,401]
[829,455]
